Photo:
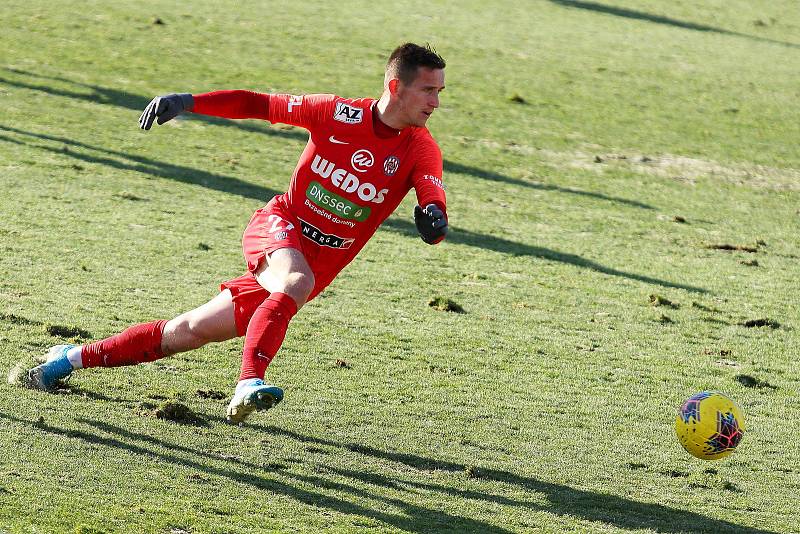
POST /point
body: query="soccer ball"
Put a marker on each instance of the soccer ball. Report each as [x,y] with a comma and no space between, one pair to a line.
[709,425]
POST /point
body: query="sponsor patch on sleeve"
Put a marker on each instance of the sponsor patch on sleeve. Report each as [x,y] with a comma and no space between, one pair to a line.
[348,114]
[294,101]
[435,180]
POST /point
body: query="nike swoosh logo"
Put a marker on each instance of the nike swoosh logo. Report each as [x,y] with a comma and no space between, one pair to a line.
[332,139]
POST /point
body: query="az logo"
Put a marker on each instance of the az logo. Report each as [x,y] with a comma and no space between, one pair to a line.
[348,114]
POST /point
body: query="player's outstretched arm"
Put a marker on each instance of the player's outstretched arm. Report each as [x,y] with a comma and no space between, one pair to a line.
[165,108]
[431,223]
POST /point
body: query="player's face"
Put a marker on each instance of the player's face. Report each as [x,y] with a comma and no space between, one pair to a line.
[421,97]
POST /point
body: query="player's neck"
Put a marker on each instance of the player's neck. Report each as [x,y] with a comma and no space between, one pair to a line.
[389,113]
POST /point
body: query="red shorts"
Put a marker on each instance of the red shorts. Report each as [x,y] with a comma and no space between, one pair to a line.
[247,295]
[270,228]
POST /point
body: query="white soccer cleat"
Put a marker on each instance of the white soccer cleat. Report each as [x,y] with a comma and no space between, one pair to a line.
[252,395]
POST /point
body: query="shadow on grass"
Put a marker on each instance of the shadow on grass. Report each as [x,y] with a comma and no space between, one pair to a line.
[78,391]
[412,518]
[217,182]
[561,500]
[659,19]
[131,162]
[461,236]
[459,168]
[97,94]
[245,189]
[114,97]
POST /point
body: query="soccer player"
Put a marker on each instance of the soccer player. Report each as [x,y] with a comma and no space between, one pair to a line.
[362,158]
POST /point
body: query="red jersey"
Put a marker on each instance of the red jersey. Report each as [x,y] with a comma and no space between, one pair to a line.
[352,174]
[350,178]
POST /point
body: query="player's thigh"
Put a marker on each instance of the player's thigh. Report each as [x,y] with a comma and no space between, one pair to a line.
[213,321]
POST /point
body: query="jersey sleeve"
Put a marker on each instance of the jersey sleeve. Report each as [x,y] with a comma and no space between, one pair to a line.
[235,104]
[305,111]
[427,176]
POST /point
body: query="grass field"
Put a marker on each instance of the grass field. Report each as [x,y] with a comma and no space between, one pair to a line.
[597,154]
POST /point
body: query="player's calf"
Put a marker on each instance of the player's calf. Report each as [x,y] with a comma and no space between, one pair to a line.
[137,344]
[265,334]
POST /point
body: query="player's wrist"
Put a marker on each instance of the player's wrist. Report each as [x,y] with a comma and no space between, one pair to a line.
[188,101]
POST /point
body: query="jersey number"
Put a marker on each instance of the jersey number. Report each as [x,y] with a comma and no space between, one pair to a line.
[275,220]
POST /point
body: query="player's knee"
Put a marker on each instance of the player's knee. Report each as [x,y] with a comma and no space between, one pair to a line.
[299,285]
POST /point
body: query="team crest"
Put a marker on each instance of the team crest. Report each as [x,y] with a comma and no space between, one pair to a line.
[390,165]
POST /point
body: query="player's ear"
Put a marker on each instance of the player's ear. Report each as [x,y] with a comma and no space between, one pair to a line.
[393,83]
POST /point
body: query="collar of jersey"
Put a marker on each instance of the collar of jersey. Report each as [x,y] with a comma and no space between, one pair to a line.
[380,128]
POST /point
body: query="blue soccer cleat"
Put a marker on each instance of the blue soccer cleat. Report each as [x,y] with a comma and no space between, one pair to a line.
[252,395]
[54,369]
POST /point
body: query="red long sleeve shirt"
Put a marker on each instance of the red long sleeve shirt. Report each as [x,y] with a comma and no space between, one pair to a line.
[353,172]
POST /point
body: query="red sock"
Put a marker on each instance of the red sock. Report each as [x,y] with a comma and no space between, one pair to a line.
[139,343]
[265,333]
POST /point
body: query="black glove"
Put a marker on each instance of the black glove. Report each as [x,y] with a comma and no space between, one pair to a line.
[431,223]
[165,107]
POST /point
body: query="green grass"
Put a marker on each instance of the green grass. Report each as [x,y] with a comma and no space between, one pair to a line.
[547,406]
